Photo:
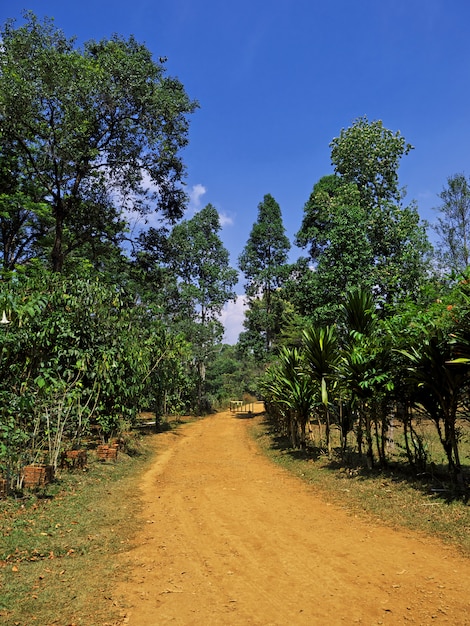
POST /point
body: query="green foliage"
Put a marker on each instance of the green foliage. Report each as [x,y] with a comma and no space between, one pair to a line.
[81,352]
[402,254]
[368,154]
[24,218]
[231,374]
[358,313]
[356,230]
[200,263]
[88,136]
[440,384]
[264,324]
[453,225]
[263,262]
[379,369]
[78,122]
[266,250]
[335,228]
[320,347]
[289,394]
[191,269]
[358,329]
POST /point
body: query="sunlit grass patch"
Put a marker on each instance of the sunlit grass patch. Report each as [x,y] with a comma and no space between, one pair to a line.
[58,551]
[383,496]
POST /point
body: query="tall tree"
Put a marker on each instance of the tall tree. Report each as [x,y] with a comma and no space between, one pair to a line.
[356,228]
[369,155]
[197,281]
[199,260]
[334,229]
[402,253]
[263,262]
[453,224]
[98,129]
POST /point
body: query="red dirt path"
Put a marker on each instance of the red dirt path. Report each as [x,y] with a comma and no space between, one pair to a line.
[228,538]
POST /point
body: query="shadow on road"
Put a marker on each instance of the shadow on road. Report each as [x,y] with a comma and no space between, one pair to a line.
[245,416]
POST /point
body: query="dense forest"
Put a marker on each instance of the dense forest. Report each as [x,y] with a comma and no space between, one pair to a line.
[102,321]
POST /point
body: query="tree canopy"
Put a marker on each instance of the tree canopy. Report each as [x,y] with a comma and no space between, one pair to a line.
[356,228]
[453,225]
[368,154]
[97,131]
[193,274]
[263,262]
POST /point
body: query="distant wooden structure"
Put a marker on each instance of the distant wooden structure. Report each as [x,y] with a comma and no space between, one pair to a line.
[240,406]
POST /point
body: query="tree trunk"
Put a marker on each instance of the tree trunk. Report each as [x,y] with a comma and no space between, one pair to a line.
[294,435]
[360,432]
[201,370]
[57,252]
[452,451]
[369,442]
[343,431]
[303,439]
[327,432]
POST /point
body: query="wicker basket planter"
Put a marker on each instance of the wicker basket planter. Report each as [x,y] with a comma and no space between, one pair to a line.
[107,452]
[37,475]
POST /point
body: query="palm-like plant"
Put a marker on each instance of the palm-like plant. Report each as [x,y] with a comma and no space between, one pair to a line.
[361,374]
[358,313]
[273,394]
[440,381]
[362,363]
[300,395]
[288,387]
[321,353]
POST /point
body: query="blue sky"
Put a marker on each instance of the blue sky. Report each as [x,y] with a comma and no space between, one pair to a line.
[278,79]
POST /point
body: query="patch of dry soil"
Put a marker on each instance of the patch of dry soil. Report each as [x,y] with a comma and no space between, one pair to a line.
[228,538]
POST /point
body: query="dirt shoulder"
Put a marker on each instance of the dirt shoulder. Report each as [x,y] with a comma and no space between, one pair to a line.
[229,538]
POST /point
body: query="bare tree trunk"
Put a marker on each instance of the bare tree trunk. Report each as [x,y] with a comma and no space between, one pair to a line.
[369,451]
[327,431]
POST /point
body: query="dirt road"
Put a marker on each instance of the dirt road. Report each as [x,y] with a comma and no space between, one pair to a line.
[230,539]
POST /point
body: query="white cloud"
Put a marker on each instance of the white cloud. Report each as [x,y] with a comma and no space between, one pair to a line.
[137,222]
[195,195]
[232,317]
[225,220]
